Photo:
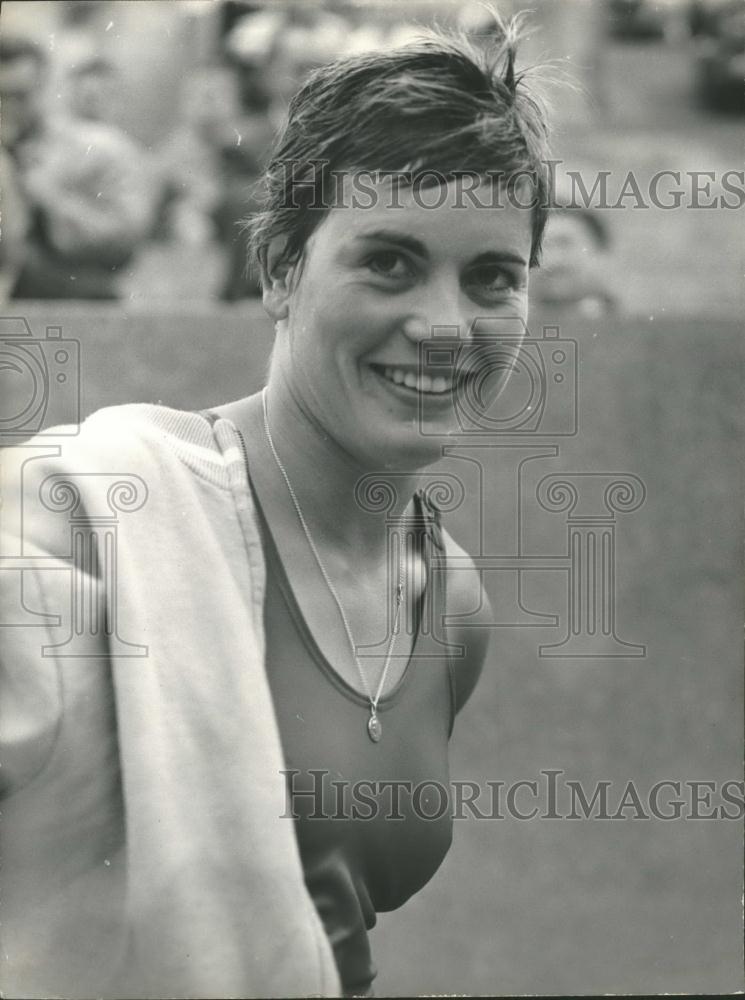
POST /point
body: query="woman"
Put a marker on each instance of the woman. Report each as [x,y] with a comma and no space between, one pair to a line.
[210,777]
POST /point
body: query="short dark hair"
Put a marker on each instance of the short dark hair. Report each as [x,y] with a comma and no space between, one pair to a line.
[442,104]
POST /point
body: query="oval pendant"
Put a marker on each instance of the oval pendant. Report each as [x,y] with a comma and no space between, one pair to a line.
[374,728]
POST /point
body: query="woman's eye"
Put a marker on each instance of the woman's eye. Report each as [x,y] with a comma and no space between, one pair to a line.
[389,264]
[491,280]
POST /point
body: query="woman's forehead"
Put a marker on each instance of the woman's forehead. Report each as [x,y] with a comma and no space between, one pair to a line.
[449,213]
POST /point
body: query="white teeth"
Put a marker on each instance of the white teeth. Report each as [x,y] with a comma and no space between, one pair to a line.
[422,383]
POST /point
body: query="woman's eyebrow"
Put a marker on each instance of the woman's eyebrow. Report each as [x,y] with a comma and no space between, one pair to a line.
[398,239]
[500,257]
[417,247]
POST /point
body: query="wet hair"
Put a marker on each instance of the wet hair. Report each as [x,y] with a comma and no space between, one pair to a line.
[441,105]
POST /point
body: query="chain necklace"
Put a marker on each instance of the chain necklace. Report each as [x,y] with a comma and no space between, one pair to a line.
[374,726]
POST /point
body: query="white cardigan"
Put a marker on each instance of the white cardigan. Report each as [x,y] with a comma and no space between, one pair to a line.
[144,849]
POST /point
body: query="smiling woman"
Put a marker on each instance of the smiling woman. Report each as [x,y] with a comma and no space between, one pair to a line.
[308,622]
[354,316]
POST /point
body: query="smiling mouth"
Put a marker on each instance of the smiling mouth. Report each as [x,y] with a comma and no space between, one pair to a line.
[416,383]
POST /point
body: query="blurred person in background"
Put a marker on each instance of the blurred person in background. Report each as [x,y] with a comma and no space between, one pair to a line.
[718,32]
[93,87]
[308,40]
[14,222]
[88,199]
[576,273]
[273,52]
[246,46]
[637,19]
[224,880]
[204,171]
[246,50]
[188,160]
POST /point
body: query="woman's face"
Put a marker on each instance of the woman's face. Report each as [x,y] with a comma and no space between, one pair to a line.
[373,283]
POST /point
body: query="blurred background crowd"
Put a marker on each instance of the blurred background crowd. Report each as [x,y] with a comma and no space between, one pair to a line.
[133,133]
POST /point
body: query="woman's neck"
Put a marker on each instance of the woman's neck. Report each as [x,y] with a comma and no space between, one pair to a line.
[341,512]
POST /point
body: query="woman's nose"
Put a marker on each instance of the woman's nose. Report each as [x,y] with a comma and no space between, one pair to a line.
[485,334]
[441,311]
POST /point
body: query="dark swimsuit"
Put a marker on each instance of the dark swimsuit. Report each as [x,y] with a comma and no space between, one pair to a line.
[374,859]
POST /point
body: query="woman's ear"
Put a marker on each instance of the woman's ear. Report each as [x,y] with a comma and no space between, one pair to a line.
[276,278]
